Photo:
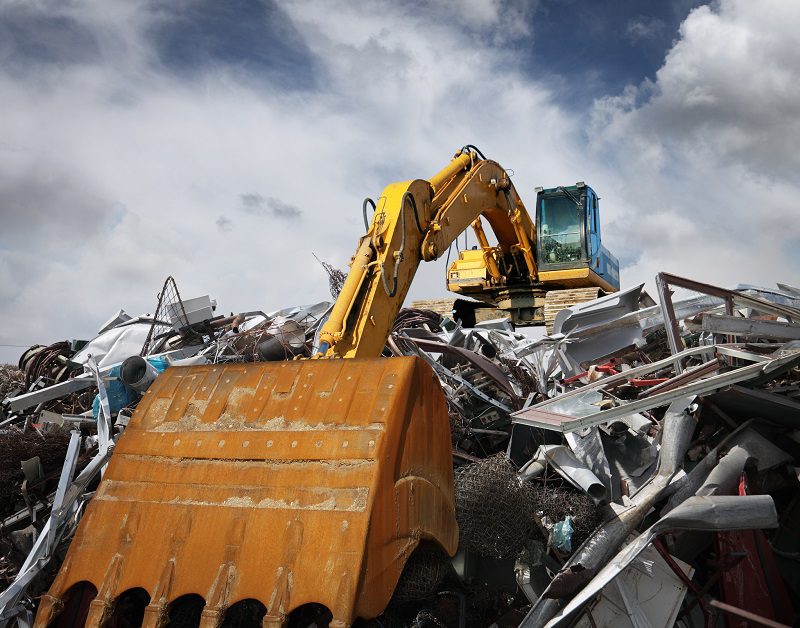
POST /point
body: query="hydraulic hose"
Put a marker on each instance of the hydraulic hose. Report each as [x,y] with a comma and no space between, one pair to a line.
[367,201]
[393,291]
[472,147]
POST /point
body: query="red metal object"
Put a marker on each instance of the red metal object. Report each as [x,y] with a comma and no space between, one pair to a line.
[754,583]
[608,368]
[643,383]
[746,616]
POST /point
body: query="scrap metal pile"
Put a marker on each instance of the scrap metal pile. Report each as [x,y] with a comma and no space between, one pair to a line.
[638,466]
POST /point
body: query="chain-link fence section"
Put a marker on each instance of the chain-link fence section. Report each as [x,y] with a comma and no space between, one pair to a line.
[493,508]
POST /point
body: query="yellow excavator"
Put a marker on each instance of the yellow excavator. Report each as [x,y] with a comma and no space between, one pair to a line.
[308,483]
[536,269]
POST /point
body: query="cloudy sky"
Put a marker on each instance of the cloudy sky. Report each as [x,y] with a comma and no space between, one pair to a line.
[224,142]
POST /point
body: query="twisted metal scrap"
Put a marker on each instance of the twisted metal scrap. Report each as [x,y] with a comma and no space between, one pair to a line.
[521,374]
[493,508]
[241,347]
[556,502]
[336,277]
[17,446]
[414,317]
[11,379]
[50,363]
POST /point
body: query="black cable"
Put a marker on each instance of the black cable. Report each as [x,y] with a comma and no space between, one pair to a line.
[474,148]
[511,205]
[369,201]
[393,291]
[414,207]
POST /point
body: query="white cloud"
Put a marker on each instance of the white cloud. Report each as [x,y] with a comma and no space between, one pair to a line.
[157,166]
[705,159]
[643,27]
[137,173]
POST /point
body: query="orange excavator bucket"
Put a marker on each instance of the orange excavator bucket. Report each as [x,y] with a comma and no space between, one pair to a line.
[288,483]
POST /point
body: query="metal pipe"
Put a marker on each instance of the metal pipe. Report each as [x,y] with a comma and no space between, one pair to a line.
[460,162]
[332,329]
[483,241]
[138,373]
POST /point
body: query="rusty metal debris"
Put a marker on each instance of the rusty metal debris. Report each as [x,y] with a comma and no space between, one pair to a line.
[593,466]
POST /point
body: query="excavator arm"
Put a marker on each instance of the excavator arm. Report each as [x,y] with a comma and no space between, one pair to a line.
[417,221]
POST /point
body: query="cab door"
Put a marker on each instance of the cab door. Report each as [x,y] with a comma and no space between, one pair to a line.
[592,229]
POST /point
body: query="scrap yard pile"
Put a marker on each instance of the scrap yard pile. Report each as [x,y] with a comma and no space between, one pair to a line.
[635,465]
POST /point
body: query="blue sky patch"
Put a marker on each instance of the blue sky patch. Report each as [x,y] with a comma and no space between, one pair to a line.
[253,38]
[591,48]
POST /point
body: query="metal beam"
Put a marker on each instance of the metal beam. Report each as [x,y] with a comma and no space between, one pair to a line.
[56,391]
[538,416]
[749,327]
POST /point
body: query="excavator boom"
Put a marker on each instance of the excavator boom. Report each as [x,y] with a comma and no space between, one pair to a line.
[416,221]
[280,484]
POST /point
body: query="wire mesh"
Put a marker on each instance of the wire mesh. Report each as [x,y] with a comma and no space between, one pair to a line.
[422,574]
[555,500]
[493,508]
[169,301]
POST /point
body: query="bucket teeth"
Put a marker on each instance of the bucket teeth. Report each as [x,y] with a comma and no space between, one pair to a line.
[285,484]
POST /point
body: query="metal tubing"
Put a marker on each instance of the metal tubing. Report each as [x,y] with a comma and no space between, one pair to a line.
[333,327]
[717,513]
[685,487]
[137,373]
[460,162]
[598,548]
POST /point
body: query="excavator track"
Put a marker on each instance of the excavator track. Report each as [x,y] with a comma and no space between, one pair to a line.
[557,300]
